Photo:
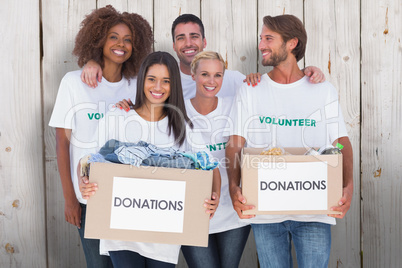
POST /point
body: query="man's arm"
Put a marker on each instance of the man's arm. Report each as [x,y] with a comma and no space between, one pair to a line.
[346,200]
[72,208]
[233,151]
[315,74]
[91,74]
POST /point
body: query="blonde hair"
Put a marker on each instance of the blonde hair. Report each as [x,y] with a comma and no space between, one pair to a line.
[206,55]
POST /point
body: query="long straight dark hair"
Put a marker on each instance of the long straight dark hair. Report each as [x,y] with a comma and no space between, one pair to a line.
[174,107]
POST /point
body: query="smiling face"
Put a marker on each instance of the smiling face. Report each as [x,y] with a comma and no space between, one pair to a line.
[208,77]
[273,49]
[157,84]
[188,42]
[119,45]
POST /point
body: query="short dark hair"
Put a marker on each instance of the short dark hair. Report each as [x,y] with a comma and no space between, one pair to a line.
[92,36]
[186,18]
[174,107]
[289,27]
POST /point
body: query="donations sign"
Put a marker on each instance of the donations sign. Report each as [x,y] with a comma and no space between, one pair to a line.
[292,183]
[149,204]
[292,186]
[159,205]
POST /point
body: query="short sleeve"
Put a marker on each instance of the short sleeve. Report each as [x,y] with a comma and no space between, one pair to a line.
[63,114]
[239,114]
[335,122]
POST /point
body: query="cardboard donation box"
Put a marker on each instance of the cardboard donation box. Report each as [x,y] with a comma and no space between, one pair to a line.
[292,183]
[149,204]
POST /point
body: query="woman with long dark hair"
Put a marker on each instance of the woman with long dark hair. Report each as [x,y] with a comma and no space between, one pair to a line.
[158,117]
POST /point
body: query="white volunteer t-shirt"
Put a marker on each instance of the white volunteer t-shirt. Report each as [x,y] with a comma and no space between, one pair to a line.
[299,114]
[130,127]
[80,108]
[232,81]
[207,136]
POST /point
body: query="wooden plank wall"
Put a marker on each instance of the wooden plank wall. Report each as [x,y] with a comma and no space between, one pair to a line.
[356,43]
[22,188]
[334,46]
[381,130]
[60,23]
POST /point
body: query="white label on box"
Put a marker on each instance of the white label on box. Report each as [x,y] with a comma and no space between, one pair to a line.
[148,205]
[292,186]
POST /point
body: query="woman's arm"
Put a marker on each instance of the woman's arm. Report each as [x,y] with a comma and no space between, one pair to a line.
[72,208]
[87,189]
[212,204]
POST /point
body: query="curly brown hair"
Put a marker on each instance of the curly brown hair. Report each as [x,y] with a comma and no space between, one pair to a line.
[91,38]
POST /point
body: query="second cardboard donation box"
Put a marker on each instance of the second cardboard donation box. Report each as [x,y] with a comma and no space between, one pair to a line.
[149,204]
[292,183]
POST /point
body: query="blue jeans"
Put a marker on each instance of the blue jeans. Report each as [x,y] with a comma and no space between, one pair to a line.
[91,247]
[224,250]
[312,241]
[127,259]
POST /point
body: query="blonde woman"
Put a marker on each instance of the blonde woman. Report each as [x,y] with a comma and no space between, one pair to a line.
[209,114]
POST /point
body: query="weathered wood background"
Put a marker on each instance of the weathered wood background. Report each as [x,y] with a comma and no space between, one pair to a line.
[356,43]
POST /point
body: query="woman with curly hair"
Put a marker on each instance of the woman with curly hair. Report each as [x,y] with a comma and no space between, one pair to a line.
[118,42]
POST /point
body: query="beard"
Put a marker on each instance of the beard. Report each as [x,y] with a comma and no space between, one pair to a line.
[276,57]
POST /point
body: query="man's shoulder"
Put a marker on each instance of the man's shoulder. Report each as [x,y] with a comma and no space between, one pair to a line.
[234,74]
[323,92]
[324,86]
[186,80]
[184,76]
[303,83]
